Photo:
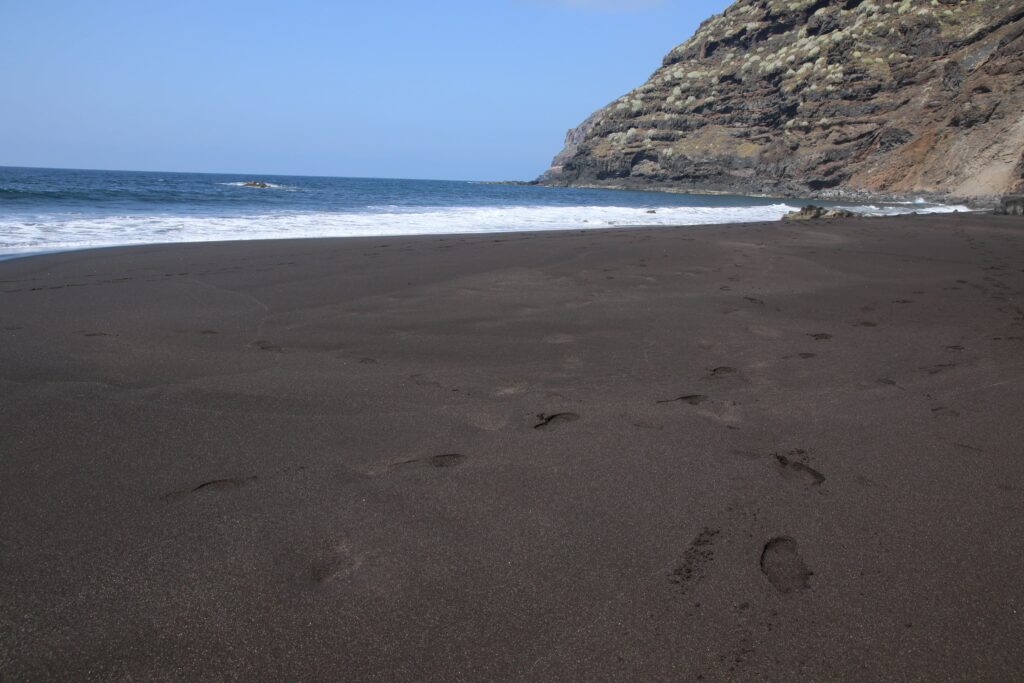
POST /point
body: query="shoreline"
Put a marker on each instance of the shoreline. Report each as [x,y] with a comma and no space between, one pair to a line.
[775,450]
[842,196]
[57,250]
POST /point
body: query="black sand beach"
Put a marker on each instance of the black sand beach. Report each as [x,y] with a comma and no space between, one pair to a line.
[770,451]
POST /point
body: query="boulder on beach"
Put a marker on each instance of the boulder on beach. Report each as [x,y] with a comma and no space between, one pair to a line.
[812,212]
[1012,205]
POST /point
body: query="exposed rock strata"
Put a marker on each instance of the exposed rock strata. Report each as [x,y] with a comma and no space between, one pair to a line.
[822,97]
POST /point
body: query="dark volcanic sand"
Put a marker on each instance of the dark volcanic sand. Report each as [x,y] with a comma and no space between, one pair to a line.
[788,452]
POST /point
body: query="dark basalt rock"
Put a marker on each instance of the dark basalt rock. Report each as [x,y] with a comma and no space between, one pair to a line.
[822,97]
[1012,205]
[812,212]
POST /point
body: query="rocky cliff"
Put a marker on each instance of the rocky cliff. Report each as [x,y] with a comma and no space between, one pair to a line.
[822,97]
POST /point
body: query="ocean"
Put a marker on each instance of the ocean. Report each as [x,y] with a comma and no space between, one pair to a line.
[45,210]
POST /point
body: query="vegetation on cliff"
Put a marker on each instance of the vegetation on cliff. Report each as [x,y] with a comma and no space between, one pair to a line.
[822,97]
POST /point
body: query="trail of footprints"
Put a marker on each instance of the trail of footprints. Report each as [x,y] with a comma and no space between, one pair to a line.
[442,460]
[780,560]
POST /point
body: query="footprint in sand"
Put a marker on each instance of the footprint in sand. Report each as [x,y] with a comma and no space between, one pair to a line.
[442,460]
[820,336]
[338,563]
[690,399]
[263,345]
[943,411]
[940,367]
[211,486]
[782,564]
[695,559]
[554,420]
[721,371]
[794,469]
[446,460]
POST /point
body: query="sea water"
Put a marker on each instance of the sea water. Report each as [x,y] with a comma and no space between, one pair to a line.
[55,209]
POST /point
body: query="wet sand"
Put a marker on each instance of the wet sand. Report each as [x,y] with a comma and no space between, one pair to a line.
[768,451]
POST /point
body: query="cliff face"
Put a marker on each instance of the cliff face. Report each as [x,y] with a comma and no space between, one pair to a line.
[822,97]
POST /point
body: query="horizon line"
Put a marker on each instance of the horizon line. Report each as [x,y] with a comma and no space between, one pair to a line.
[262,175]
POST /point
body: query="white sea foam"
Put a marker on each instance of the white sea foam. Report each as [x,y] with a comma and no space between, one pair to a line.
[907,208]
[264,185]
[69,231]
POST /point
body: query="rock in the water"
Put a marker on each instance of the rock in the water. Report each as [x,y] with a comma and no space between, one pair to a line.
[819,97]
[256,183]
[1012,205]
[812,212]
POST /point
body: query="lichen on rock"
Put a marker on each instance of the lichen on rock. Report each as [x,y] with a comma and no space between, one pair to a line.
[822,98]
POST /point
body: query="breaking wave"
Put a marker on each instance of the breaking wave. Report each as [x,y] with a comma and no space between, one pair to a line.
[261,186]
[70,231]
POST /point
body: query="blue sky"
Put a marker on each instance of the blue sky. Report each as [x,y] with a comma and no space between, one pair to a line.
[415,89]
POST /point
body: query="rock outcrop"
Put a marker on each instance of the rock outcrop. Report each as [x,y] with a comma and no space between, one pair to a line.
[822,98]
[1012,205]
[812,212]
